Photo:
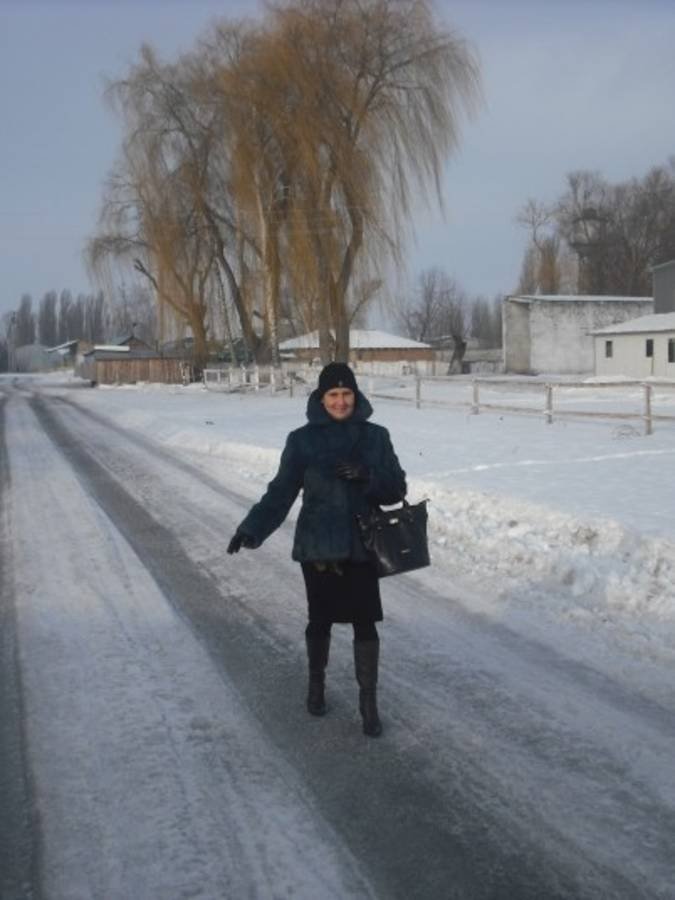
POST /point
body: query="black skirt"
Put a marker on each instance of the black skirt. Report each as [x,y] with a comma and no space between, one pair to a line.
[353,596]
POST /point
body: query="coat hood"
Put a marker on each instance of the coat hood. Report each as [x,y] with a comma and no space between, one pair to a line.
[317,415]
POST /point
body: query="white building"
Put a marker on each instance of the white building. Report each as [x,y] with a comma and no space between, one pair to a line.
[663,281]
[639,348]
[377,352]
[554,333]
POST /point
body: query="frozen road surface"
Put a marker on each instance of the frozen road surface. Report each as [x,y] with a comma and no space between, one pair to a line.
[153,738]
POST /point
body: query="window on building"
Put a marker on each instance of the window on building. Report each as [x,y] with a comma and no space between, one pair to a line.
[609,349]
[649,347]
[671,350]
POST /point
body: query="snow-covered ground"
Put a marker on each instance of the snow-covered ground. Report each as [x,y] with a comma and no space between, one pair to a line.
[572,521]
[527,675]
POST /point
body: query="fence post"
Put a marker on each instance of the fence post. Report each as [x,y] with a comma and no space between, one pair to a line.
[291,379]
[475,404]
[242,375]
[256,378]
[549,404]
[648,408]
[418,391]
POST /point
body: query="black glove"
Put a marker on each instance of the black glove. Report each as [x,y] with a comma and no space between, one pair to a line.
[241,540]
[352,471]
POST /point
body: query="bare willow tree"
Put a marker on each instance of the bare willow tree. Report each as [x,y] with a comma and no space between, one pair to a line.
[377,89]
[220,120]
[149,218]
[254,90]
[279,159]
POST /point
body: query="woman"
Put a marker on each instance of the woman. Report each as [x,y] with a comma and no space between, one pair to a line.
[344,465]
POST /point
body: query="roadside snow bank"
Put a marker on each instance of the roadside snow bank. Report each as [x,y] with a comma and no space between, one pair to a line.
[591,569]
[595,568]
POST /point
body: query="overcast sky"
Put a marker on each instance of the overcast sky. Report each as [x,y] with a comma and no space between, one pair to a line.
[568,84]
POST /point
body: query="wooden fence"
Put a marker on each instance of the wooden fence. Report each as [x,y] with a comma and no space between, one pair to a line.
[549,394]
[251,378]
[546,390]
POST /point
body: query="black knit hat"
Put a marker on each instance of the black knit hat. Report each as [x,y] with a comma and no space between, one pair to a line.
[336,375]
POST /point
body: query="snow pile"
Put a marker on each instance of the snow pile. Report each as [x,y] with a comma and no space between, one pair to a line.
[596,568]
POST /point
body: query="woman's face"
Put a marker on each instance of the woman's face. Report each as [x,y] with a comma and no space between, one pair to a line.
[339,403]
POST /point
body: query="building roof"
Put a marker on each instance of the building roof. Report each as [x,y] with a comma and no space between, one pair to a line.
[109,348]
[359,339]
[105,352]
[575,298]
[65,346]
[656,322]
[663,265]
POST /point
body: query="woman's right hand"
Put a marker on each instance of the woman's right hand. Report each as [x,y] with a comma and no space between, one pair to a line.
[240,540]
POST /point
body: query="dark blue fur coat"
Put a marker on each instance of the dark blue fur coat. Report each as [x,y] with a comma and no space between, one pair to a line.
[326,529]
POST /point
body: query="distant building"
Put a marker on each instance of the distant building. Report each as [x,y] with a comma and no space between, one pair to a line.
[365,347]
[663,285]
[70,353]
[554,333]
[640,348]
[31,358]
[129,360]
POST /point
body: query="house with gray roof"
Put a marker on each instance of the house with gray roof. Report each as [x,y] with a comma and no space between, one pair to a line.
[365,346]
[641,348]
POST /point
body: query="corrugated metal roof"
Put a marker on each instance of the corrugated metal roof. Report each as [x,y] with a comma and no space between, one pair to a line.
[576,298]
[656,322]
[111,348]
[359,339]
[671,262]
[63,346]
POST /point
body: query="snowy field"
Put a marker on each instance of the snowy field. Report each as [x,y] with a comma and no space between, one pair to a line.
[564,523]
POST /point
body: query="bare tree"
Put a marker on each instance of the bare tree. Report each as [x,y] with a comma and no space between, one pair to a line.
[76,318]
[616,232]
[486,321]
[24,323]
[278,160]
[131,308]
[149,220]
[65,302]
[94,317]
[47,321]
[439,311]
[541,272]
[7,344]
[378,88]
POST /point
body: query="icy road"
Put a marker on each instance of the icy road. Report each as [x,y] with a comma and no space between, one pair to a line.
[153,738]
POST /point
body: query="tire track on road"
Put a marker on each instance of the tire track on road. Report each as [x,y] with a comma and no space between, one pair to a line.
[19,821]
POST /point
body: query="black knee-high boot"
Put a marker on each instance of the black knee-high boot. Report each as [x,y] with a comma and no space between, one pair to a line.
[366,657]
[317,656]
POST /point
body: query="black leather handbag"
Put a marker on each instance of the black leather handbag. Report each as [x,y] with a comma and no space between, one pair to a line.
[396,539]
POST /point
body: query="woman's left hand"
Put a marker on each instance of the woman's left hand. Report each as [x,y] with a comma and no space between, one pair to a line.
[352,471]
